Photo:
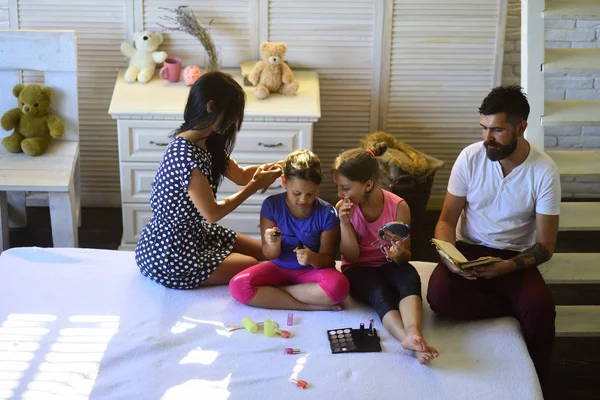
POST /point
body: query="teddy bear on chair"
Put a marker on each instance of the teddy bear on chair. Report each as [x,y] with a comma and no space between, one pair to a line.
[272,75]
[143,57]
[33,125]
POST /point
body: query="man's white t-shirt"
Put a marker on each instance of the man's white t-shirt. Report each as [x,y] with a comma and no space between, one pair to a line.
[500,211]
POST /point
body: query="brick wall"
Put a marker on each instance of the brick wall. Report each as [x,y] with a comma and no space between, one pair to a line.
[560,34]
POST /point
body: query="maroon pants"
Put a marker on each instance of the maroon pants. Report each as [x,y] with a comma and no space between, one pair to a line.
[522,294]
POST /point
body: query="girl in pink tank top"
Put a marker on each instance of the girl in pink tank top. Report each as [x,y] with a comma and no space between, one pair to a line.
[380,276]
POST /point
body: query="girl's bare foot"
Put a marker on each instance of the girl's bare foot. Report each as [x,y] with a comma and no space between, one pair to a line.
[425,356]
[414,341]
[433,351]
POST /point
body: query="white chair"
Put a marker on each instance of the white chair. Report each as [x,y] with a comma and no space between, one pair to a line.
[56,172]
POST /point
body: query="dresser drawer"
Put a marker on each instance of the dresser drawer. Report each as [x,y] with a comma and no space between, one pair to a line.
[137,178]
[136,181]
[227,188]
[257,142]
[245,219]
[260,142]
[135,217]
[144,140]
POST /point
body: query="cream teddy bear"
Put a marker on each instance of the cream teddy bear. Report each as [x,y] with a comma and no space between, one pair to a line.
[271,74]
[143,57]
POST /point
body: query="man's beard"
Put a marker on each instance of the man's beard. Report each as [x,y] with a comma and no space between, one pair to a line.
[497,151]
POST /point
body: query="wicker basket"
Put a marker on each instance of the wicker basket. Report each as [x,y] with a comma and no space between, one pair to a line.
[405,171]
[415,189]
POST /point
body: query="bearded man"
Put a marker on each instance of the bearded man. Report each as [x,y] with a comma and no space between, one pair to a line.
[503,200]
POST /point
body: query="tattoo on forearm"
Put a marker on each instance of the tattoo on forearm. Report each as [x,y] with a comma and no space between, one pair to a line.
[532,257]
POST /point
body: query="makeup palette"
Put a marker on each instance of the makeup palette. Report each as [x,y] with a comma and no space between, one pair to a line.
[348,340]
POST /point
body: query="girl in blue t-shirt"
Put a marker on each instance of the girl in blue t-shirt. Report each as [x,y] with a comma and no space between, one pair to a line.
[300,237]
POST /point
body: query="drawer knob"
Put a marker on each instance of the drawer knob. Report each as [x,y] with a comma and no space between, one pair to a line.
[160,144]
[270,145]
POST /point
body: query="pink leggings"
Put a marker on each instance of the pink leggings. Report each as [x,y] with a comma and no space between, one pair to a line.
[244,285]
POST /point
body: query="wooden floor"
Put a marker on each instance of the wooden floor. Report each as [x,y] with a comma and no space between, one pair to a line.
[576,361]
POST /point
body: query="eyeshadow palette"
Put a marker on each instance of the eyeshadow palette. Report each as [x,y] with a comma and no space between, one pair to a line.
[348,340]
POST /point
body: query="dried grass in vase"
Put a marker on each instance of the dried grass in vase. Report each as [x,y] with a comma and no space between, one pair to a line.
[186,21]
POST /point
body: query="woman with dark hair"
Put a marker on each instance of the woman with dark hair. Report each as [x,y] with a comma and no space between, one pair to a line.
[181,246]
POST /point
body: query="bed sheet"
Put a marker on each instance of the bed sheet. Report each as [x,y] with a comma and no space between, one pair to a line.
[83,323]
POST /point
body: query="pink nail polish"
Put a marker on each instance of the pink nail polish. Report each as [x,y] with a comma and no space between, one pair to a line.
[283,334]
[290,320]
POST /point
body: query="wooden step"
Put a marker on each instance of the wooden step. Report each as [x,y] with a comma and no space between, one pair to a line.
[573,321]
[579,216]
[577,162]
[572,268]
[572,9]
[578,61]
[571,112]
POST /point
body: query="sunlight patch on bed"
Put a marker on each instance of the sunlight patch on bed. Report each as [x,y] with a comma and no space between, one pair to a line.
[20,337]
[199,356]
[181,327]
[300,363]
[200,389]
[44,356]
[190,323]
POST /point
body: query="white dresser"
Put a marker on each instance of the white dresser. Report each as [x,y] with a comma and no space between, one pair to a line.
[146,114]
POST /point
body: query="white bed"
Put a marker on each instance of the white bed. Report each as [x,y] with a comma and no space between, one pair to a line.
[80,323]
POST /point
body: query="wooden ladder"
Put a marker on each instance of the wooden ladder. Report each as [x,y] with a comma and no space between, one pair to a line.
[536,61]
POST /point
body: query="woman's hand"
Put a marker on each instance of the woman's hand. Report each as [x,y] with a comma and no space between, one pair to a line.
[346,210]
[265,175]
[270,236]
[276,164]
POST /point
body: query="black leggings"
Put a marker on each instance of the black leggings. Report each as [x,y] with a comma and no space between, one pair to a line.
[383,287]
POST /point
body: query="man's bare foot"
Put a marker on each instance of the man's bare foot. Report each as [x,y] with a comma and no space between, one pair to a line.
[414,341]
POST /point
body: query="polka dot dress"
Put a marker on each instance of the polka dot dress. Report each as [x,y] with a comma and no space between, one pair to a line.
[178,248]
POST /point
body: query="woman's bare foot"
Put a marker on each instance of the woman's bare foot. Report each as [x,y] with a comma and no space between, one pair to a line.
[414,341]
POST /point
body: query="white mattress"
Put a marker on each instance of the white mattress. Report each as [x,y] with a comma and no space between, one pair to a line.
[79,323]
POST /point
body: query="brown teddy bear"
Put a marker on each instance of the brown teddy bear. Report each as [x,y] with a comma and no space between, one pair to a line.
[272,75]
[34,126]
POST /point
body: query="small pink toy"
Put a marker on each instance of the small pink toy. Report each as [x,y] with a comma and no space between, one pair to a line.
[190,74]
[290,351]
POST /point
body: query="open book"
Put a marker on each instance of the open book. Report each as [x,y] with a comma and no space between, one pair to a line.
[451,253]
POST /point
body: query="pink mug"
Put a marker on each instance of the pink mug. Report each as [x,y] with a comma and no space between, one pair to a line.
[171,69]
